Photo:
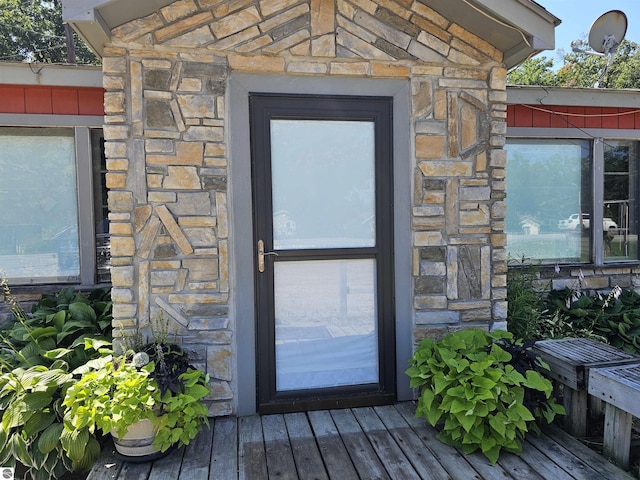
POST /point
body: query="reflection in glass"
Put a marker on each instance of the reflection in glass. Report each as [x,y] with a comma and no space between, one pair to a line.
[549,199]
[620,220]
[323,183]
[325,315]
[39,214]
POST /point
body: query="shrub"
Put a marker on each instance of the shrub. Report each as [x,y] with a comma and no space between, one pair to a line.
[486,397]
[612,318]
[37,353]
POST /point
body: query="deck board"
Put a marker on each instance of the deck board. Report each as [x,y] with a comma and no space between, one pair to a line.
[354,444]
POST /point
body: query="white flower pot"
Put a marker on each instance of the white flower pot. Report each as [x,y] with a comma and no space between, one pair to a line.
[138,441]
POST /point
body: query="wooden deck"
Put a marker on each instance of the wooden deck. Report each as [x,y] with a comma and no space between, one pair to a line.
[361,443]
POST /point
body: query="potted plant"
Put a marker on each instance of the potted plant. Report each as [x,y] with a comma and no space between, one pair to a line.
[149,400]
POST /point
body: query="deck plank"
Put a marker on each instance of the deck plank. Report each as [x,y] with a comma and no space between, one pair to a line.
[108,466]
[518,468]
[307,457]
[333,451]
[197,456]
[454,463]
[425,464]
[576,457]
[280,462]
[224,452]
[252,460]
[390,454]
[167,468]
[135,471]
[360,450]
[544,466]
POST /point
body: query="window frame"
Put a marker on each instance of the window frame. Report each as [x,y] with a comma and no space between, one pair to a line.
[597,137]
[82,126]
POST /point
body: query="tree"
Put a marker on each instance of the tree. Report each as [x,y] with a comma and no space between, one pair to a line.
[32,30]
[534,71]
[582,70]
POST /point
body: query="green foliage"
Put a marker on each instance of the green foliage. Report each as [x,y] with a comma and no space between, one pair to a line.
[33,31]
[113,393]
[614,318]
[530,313]
[468,381]
[37,353]
[525,301]
[534,71]
[582,70]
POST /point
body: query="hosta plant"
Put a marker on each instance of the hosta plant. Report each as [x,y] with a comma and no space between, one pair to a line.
[476,390]
[38,351]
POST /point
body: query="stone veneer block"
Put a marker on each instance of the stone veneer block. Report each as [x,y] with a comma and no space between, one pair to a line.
[182,26]
[174,230]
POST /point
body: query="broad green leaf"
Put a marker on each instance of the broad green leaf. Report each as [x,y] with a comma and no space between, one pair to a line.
[82,311]
[50,438]
[16,414]
[56,353]
[91,454]
[38,422]
[20,451]
[74,443]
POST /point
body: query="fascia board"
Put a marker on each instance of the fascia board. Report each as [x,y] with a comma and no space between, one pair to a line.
[50,75]
[573,97]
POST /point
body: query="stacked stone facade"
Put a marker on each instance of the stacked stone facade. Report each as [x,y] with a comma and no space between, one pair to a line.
[168,158]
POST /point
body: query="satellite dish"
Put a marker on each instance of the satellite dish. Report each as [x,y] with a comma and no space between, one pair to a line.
[608,31]
[605,35]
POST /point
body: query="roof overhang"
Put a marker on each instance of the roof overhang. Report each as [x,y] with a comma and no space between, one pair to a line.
[50,74]
[519,28]
[573,97]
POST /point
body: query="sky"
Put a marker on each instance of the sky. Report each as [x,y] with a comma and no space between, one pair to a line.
[577,17]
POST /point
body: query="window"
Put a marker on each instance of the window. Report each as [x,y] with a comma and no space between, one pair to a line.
[572,200]
[44,192]
[619,209]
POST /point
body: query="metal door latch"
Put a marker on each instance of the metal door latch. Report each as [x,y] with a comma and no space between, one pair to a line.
[262,254]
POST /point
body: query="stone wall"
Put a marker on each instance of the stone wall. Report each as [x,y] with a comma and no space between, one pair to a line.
[166,78]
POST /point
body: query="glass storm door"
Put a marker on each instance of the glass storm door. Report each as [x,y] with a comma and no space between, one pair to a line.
[322,195]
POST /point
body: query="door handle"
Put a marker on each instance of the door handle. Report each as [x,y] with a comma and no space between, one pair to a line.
[262,254]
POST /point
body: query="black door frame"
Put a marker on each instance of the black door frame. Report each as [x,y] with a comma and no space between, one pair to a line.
[262,109]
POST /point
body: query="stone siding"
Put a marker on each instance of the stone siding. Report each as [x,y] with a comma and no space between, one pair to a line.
[166,78]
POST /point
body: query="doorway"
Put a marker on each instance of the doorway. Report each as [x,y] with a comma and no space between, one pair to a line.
[322,189]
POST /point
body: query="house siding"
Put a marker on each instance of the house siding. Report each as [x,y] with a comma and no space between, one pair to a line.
[564,116]
[52,100]
[166,78]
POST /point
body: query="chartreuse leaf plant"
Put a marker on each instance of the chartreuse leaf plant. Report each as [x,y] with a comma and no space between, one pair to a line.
[116,391]
[482,396]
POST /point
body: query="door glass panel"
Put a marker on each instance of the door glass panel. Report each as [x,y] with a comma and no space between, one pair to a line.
[325,315]
[323,175]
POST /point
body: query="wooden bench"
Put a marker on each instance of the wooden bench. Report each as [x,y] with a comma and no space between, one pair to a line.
[619,387]
[570,360]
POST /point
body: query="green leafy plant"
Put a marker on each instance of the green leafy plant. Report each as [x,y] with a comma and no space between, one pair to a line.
[37,353]
[525,301]
[477,390]
[613,318]
[116,392]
